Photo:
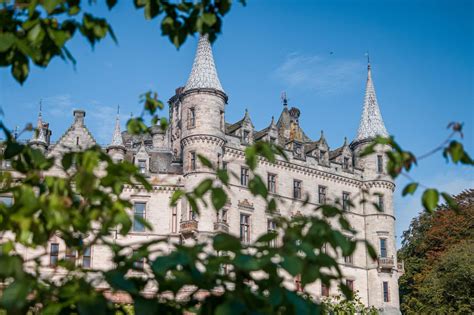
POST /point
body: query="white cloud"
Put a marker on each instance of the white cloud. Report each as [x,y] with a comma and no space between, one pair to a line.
[323,74]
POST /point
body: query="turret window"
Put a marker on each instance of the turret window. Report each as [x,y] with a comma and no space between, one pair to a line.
[350,284]
[192,118]
[322,155]
[192,161]
[246,137]
[380,164]
[383,248]
[386,292]
[381,203]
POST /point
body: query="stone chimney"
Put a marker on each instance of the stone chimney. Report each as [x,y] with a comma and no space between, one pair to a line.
[79,115]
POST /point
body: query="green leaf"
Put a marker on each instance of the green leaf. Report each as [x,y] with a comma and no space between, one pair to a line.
[218,197]
[203,187]
[67,160]
[204,161]
[292,264]
[50,5]
[6,41]
[209,19]
[267,237]
[450,201]
[13,149]
[409,189]
[111,3]
[430,199]
[226,242]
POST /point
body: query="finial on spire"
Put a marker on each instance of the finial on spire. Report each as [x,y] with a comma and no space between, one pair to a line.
[371,122]
[203,73]
[368,59]
[284,99]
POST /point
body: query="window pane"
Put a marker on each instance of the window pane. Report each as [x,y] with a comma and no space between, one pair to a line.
[139,211]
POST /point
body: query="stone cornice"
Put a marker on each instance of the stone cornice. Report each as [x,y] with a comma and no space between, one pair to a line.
[155,188]
[380,183]
[306,170]
[202,138]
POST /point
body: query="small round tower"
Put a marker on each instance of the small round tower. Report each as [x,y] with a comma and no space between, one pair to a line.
[116,149]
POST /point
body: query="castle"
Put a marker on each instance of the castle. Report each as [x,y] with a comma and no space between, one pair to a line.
[197,126]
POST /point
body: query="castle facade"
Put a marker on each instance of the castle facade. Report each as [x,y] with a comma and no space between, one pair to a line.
[197,126]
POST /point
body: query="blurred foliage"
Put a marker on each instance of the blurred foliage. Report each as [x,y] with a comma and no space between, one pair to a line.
[38,31]
[437,251]
[339,305]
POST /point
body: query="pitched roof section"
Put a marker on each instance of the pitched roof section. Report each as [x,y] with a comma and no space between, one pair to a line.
[203,73]
[371,122]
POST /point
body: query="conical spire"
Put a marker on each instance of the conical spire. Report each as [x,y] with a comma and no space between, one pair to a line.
[117,136]
[38,136]
[371,122]
[203,74]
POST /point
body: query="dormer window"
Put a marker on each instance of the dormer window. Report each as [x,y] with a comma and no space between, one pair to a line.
[142,166]
[246,136]
[345,163]
[273,140]
[298,150]
[322,155]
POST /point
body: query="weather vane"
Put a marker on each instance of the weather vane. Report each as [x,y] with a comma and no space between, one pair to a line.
[284,99]
[368,57]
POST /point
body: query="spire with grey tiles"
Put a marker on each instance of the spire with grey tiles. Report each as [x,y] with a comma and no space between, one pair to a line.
[203,74]
[38,135]
[117,139]
[371,122]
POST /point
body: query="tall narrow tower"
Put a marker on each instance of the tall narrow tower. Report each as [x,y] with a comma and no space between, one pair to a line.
[202,105]
[382,274]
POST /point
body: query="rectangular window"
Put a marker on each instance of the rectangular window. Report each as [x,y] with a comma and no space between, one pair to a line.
[345,164]
[346,202]
[54,254]
[348,260]
[222,121]
[222,216]
[191,214]
[139,263]
[271,183]
[192,118]
[350,284]
[297,189]
[138,215]
[244,176]
[380,203]
[142,166]
[379,164]
[383,247]
[219,160]
[322,194]
[71,255]
[324,290]
[86,257]
[192,160]
[298,150]
[245,228]
[271,228]
[386,293]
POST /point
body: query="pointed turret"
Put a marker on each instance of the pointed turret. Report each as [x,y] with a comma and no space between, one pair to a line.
[117,139]
[38,140]
[371,122]
[116,148]
[203,74]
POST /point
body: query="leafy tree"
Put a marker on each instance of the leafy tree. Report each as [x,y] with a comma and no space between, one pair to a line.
[339,305]
[221,276]
[434,250]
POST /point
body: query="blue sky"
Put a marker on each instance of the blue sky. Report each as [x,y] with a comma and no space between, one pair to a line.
[421,54]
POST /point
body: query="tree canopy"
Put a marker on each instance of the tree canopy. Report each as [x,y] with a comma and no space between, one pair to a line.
[437,251]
